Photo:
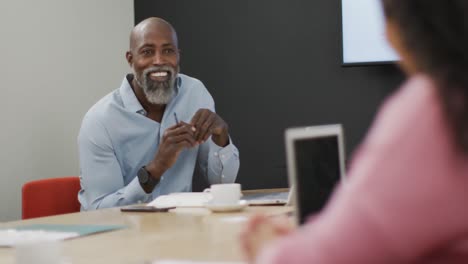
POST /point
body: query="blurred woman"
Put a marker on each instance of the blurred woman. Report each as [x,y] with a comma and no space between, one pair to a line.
[405,199]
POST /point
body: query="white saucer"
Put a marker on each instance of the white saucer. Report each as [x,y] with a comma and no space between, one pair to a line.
[227,207]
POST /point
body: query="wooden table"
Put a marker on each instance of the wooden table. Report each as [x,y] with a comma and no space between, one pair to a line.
[183,233]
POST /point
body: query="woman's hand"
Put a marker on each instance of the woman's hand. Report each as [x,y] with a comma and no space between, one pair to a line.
[260,230]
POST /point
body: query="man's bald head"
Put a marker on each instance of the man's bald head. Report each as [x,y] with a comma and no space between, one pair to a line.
[148,26]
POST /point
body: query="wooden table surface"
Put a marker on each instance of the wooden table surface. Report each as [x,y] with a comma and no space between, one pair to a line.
[183,233]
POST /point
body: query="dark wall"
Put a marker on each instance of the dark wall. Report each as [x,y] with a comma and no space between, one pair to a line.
[273,64]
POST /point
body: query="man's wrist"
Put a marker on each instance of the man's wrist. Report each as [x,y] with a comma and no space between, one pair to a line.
[221,140]
[156,170]
[147,182]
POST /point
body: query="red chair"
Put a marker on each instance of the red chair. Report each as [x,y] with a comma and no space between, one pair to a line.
[52,196]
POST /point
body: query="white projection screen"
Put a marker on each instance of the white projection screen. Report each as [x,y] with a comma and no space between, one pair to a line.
[364,40]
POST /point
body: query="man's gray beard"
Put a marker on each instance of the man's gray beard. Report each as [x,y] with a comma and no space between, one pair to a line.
[157,92]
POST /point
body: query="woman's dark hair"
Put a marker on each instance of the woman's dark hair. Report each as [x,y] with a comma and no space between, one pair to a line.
[435,32]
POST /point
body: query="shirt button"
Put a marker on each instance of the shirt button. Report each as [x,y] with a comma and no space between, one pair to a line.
[216,154]
[222,156]
[162,178]
[222,176]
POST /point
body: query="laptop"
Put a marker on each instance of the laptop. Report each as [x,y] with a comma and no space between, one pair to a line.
[315,160]
[282,197]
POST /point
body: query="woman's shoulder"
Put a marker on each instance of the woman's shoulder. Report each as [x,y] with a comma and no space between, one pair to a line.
[413,109]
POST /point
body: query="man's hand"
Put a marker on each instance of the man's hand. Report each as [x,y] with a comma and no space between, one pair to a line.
[209,124]
[176,138]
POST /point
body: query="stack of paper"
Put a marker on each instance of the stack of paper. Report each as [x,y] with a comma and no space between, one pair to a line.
[189,199]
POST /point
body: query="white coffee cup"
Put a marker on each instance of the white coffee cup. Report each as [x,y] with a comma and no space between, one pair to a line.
[227,193]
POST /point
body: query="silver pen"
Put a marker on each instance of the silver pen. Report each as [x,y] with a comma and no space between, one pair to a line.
[176,119]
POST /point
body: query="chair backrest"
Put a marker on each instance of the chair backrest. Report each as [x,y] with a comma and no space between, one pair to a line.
[52,196]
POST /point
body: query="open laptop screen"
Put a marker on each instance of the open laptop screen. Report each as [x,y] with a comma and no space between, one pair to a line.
[316,166]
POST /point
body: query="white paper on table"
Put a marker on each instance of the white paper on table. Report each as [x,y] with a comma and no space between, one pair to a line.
[12,237]
[188,199]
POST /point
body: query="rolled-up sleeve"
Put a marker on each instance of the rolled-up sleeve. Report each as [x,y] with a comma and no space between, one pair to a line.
[219,164]
[102,182]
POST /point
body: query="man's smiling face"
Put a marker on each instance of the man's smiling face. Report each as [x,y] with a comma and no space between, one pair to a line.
[154,58]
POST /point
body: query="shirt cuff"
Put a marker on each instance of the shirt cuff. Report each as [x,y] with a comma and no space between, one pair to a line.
[134,192]
[223,153]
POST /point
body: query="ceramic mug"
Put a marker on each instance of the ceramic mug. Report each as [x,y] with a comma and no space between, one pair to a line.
[227,193]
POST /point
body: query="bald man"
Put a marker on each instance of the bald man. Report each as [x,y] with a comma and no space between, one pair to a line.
[145,138]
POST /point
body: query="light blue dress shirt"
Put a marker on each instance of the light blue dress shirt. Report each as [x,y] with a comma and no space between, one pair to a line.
[116,139]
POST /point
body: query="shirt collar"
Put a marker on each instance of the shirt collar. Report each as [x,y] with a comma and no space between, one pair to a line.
[129,98]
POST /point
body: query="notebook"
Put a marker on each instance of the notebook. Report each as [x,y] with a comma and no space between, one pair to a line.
[315,161]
